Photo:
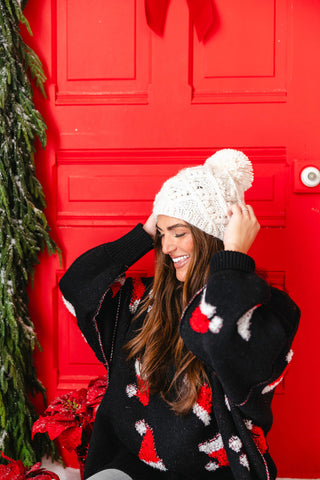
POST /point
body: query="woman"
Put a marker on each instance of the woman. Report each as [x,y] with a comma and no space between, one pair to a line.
[193,355]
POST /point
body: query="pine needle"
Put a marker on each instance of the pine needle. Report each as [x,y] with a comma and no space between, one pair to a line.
[24,232]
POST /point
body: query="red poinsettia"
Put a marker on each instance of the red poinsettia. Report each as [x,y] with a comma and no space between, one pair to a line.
[15,470]
[71,416]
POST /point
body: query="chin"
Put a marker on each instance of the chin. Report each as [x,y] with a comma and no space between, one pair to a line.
[181,276]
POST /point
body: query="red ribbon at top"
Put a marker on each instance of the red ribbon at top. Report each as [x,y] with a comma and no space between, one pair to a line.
[201,13]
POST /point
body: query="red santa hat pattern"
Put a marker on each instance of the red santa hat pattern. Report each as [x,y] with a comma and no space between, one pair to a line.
[140,389]
[202,407]
[117,284]
[276,382]
[215,449]
[204,317]
[235,444]
[257,435]
[137,294]
[244,323]
[147,451]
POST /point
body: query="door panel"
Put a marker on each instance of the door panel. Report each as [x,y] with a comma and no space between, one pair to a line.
[116,73]
[245,60]
[126,109]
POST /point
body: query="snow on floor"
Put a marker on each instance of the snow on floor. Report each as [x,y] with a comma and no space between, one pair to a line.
[67,473]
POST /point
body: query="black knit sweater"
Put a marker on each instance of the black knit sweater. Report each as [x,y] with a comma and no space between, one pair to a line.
[239,326]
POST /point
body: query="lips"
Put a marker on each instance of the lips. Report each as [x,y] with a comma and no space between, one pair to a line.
[181,261]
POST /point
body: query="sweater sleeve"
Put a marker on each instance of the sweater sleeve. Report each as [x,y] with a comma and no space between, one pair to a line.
[241,327]
[86,284]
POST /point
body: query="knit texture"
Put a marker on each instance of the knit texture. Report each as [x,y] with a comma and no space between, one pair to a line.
[241,329]
[202,195]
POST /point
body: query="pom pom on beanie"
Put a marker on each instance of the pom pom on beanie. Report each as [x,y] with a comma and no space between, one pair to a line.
[202,195]
[234,164]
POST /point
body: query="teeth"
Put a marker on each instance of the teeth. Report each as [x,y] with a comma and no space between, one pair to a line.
[178,259]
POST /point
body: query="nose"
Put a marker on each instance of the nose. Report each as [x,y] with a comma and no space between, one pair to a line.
[167,244]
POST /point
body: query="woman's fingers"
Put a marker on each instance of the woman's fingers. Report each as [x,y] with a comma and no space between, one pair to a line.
[244,209]
[242,228]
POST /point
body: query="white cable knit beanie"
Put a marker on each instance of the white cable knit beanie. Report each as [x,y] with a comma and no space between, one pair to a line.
[201,195]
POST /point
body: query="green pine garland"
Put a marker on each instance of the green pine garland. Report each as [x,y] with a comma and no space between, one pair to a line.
[23,234]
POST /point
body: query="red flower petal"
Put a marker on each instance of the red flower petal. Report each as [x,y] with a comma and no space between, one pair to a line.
[36,466]
[68,415]
[61,417]
[96,390]
[98,382]
[40,473]
[13,471]
[10,472]
[71,438]
[79,395]
[43,476]
[50,425]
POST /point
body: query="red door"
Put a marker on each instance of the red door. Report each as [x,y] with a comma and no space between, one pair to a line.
[126,109]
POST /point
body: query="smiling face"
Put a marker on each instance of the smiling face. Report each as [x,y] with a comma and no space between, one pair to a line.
[177,242]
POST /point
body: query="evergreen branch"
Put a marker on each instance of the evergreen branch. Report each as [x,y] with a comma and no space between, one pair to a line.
[24,232]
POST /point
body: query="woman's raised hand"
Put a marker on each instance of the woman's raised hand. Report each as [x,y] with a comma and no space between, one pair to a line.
[150,226]
[242,228]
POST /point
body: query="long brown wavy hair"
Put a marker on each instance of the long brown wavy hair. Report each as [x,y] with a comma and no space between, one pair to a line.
[166,365]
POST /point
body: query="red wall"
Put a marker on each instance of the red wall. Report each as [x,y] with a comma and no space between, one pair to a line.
[126,109]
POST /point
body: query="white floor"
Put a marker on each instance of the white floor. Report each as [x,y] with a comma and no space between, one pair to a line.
[63,473]
[74,474]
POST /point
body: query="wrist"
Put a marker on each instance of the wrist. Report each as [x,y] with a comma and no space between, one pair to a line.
[229,259]
[233,247]
[147,230]
[150,226]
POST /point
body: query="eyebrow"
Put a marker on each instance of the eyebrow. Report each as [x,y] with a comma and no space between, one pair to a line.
[172,227]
